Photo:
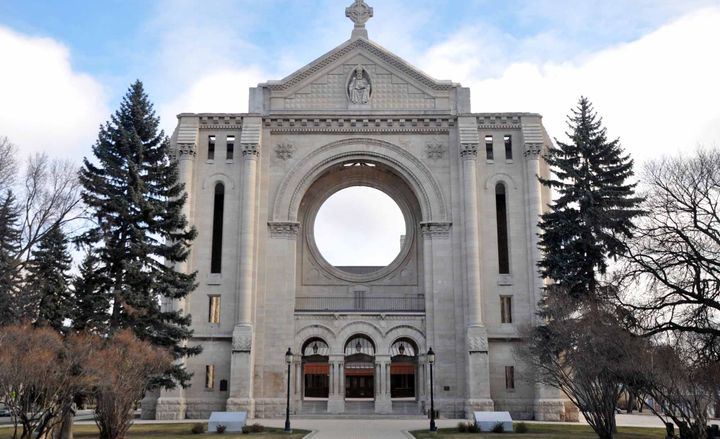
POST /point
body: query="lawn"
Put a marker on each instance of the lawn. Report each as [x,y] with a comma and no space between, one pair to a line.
[546,431]
[172,431]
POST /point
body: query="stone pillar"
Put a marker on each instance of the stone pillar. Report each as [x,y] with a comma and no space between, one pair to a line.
[298,390]
[383,404]
[241,362]
[548,404]
[478,395]
[336,398]
[171,404]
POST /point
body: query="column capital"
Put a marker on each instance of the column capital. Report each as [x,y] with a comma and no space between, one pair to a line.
[283,229]
[469,151]
[533,150]
[250,151]
[438,229]
[186,151]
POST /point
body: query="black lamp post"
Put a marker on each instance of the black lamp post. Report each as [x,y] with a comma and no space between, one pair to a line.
[288,360]
[431,360]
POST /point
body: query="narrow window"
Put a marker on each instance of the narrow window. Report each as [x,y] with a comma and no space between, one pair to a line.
[214,313]
[210,376]
[510,377]
[230,147]
[489,147]
[508,147]
[211,148]
[505,309]
[217,231]
[223,385]
[502,234]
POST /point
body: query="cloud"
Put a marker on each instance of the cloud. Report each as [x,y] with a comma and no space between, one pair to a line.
[658,94]
[45,105]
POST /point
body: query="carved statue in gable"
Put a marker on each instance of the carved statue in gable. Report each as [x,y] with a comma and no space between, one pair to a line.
[360,88]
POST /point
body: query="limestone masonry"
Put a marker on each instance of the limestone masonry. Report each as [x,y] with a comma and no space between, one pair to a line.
[464,282]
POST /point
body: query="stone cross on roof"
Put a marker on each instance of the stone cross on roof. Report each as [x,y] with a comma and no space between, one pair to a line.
[359,12]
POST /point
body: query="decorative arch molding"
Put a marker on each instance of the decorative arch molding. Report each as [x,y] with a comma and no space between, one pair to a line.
[409,332]
[501,177]
[316,331]
[218,177]
[367,329]
[418,176]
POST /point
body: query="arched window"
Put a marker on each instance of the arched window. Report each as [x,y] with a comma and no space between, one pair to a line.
[359,367]
[316,370]
[502,229]
[217,229]
[403,368]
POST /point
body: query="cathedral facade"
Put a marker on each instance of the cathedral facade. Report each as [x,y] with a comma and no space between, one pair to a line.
[465,280]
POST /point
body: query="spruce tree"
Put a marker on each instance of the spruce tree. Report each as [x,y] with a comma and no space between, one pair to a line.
[9,247]
[92,304]
[47,283]
[133,193]
[594,208]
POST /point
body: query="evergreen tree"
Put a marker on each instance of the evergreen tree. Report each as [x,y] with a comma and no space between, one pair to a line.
[92,305]
[47,282]
[9,248]
[140,232]
[593,213]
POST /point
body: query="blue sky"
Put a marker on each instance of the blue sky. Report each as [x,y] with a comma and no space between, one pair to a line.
[651,67]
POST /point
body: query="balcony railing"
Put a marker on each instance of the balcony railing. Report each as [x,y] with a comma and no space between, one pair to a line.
[395,304]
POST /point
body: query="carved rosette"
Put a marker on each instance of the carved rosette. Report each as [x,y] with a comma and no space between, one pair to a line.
[435,150]
[436,229]
[469,151]
[533,150]
[284,151]
[283,229]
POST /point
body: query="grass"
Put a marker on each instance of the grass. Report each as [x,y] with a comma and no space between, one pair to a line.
[546,431]
[172,431]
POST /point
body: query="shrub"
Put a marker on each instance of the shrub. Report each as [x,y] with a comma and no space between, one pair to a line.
[220,429]
[246,429]
[257,428]
[462,427]
[498,428]
[521,427]
[473,427]
[198,429]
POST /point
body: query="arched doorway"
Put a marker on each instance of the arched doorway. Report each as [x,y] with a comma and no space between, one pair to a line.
[403,369]
[359,368]
[316,370]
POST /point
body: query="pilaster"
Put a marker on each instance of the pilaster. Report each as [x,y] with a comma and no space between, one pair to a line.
[336,398]
[383,404]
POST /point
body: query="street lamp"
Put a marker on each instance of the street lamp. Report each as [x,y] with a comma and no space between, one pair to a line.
[431,360]
[288,360]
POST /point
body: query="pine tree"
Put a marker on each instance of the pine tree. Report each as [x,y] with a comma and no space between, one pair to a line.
[9,248]
[92,303]
[136,199]
[593,213]
[47,283]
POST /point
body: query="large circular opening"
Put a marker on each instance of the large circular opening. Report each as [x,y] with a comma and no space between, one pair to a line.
[359,229]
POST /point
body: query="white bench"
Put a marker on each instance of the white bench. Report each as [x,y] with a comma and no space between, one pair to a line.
[233,421]
[488,420]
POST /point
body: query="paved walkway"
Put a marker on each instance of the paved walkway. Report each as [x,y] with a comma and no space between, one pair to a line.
[360,428]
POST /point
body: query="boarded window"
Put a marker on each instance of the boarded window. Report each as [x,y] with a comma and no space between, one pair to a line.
[211,148]
[230,147]
[214,312]
[505,309]
[489,147]
[217,230]
[502,232]
[509,377]
[508,147]
[210,376]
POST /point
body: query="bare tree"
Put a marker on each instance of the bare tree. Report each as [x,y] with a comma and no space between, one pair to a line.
[8,164]
[674,258]
[124,369]
[583,349]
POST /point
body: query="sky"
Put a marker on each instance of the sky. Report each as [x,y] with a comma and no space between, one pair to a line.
[650,67]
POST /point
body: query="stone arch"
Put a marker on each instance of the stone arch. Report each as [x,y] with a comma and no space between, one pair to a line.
[418,176]
[365,328]
[409,332]
[317,331]
[500,177]
[218,177]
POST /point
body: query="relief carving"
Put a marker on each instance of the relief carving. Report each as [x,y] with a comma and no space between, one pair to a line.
[435,150]
[242,339]
[284,151]
[477,344]
[360,88]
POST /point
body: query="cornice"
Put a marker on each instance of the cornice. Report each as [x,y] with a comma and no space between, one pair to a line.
[352,124]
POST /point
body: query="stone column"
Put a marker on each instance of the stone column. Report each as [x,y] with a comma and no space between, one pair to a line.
[478,395]
[548,404]
[383,404]
[336,398]
[171,404]
[241,363]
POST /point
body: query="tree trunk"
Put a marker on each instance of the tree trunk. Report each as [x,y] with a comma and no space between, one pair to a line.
[630,403]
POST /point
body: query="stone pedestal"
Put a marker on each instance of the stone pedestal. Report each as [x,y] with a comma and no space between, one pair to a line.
[170,408]
[148,404]
[478,371]
[549,405]
[241,371]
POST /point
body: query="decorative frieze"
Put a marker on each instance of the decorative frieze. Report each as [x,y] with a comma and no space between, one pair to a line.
[283,229]
[221,121]
[339,124]
[499,121]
